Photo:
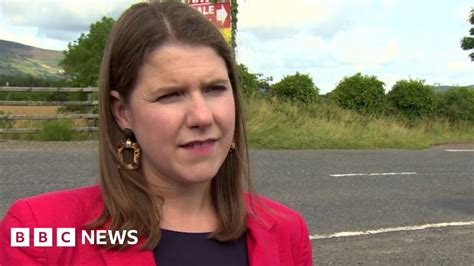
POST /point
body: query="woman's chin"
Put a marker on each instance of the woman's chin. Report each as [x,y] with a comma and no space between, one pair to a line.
[197,179]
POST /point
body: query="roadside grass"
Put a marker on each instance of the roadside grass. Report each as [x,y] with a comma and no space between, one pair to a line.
[50,130]
[56,130]
[276,124]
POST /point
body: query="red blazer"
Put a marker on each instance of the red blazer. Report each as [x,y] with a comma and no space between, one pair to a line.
[271,240]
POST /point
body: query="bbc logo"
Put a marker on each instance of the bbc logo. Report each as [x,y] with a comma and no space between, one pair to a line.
[43,237]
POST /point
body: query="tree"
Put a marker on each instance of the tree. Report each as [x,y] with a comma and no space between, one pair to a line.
[467,43]
[248,81]
[297,88]
[361,93]
[82,57]
[252,83]
[234,11]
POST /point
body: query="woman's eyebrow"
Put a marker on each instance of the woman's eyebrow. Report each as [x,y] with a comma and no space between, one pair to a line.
[219,81]
[167,89]
[173,88]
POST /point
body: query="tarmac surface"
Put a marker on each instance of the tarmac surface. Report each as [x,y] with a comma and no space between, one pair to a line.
[363,207]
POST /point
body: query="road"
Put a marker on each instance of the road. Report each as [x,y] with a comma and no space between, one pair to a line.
[361,206]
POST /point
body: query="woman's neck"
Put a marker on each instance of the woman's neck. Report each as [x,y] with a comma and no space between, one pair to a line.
[188,208]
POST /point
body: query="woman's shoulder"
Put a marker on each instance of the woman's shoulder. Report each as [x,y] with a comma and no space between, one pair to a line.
[58,208]
[79,192]
[261,202]
[273,213]
[286,226]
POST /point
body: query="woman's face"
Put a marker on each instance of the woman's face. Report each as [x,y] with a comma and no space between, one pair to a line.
[182,113]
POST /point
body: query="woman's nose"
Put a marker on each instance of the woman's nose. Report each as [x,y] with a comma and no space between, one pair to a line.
[200,112]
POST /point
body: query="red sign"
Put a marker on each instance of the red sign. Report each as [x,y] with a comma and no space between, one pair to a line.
[218,13]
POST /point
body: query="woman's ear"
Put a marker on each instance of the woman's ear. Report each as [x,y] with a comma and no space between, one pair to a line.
[120,110]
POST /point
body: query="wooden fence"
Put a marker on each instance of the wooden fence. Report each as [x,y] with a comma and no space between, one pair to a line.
[89,103]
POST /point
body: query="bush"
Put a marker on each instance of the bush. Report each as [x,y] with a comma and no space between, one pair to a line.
[56,130]
[297,88]
[412,99]
[363,94]
[456,104]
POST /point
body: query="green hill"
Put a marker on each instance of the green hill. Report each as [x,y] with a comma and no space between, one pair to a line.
[17,59]
[442,88]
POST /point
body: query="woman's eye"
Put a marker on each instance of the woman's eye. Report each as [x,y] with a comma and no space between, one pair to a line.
[169,96]
[216,89]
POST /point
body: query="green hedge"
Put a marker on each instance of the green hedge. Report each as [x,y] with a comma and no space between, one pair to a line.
[297,88]
[411,99]
[361,93]
[456,104]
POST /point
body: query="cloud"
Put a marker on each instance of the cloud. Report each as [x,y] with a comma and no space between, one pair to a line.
[459,66]
[59,34]
[31,39]
[320,37]
[59,19]
[364,46]
[281,19]
[389,53]
[323,26]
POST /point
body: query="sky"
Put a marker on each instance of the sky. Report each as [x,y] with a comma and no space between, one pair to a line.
[327,39]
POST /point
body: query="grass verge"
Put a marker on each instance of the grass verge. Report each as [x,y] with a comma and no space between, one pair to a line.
[276,124]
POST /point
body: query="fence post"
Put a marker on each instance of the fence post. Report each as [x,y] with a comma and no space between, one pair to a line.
[90,110]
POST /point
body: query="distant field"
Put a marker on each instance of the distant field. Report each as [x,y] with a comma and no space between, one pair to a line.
[39,110]
[45,110]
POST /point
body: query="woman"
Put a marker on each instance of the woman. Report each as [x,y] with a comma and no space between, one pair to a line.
[173,159]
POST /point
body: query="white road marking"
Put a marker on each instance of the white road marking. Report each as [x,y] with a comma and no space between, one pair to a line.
[450,150]
[391,229]
[374,174]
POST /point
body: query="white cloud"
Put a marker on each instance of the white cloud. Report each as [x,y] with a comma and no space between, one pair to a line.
[389,53]
[273,19]
[281,37]
[58,19]
[363,45]
[279,13]
[459,66]
[330,39]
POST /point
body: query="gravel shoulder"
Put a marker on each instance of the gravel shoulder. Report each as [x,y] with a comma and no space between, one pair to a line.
[48,145]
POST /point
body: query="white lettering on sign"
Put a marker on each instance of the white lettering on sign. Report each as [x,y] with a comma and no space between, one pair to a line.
[206,10]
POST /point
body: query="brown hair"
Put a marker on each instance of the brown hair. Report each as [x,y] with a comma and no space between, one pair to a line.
[129,204]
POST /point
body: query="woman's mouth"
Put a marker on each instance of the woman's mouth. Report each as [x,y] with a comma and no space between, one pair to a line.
[200,147]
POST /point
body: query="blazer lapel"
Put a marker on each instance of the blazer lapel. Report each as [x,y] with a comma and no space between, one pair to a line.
[262,247]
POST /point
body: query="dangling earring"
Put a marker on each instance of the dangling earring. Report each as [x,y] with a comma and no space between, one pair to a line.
[232,147]
[130,143]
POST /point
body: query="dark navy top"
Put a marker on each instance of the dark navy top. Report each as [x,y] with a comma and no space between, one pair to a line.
[185,249]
